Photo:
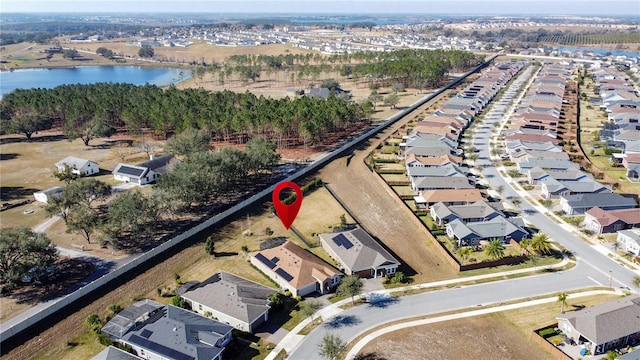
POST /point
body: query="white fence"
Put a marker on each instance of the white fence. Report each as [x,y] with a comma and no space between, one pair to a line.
[31,320]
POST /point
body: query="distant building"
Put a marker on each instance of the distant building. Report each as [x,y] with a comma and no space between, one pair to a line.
[51,193]
[82,167]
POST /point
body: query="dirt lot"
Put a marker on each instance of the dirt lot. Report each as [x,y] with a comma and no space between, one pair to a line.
[383,214]
[470,338]
[504,335]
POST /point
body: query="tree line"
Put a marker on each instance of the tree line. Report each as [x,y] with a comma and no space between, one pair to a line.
[412,67]
[97,110]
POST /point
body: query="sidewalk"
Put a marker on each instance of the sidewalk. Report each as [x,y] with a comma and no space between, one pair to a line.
[292,339]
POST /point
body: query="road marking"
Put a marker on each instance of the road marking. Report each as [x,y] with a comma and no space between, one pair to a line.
[594,280]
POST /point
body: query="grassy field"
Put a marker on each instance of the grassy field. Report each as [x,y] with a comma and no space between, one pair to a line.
[504,335]
[591,120]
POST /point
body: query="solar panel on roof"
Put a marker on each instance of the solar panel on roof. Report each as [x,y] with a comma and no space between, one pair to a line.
[158,348]
[285,275]
[275,259]
[265,261]
[342,240]
[146,333]
[131,171]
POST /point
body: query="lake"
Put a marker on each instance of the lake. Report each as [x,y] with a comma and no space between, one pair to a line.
[50,78]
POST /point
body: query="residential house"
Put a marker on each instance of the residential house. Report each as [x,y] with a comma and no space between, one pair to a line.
[579,203]
[601,221]
[475,212]
[440,182]
[127,319]
[113,353]
[53,192]
[144,173]
[604,327]
[629,241]
[426,199]
[230,299]
[552,164]
[82,167]
[633,172]
[357,253]
[537,173]
[176,333]
[296,269]
[553,189]
[471,233]
[428,161]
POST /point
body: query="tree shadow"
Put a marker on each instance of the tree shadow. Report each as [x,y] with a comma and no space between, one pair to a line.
[369,356]
[225,253]
[35,138]
[8,193]
[9,156]
[340,321]
[382,300]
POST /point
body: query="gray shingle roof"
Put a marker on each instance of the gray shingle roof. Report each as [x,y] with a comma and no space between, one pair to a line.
[235,296]
[179,333]
[445,170]
[159,164]
[587,201]
[365,252]
[497,227]
[443,182]
[608,321]
[113,353]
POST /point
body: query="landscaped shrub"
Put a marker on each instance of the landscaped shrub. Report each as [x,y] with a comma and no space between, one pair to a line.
[609,151]
[438,232]
[547,332]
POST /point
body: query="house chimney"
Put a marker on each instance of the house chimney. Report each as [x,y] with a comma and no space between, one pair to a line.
[152,156]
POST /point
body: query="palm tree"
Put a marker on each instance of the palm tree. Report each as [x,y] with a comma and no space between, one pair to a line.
[464,253]
[495,249]
[562,299]
[525,244]
[540,243]
[276,299]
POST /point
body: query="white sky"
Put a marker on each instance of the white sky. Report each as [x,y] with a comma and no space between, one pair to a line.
[470,7]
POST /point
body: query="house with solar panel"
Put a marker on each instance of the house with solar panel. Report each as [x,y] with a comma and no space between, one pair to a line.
[145,173]
[296,269]
[231,299]
[179,334]
[359,254]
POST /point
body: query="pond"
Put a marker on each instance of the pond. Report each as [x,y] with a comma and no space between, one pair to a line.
[50,78]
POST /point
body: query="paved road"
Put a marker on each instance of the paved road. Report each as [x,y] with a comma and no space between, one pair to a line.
[593,268]
[592,255]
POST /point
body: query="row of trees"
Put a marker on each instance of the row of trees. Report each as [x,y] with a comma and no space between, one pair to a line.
[412,67]
[96,110]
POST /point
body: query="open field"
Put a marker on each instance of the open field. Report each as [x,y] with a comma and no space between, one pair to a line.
[504,335]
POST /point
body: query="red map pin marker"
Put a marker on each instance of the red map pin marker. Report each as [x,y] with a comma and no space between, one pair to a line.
[287,213]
